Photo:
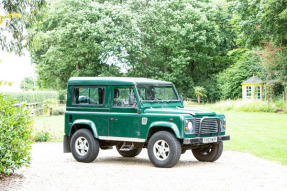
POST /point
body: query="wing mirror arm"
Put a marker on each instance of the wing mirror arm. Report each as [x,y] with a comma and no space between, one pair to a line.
[132,102]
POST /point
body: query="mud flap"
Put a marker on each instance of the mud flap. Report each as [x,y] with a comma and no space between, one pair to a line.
[66,144]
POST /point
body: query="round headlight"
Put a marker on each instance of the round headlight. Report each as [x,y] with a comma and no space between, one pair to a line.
[189,125]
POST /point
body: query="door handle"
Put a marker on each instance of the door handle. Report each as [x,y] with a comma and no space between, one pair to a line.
[114,119]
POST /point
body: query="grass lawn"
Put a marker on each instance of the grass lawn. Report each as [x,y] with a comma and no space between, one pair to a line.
[258,133]
[54,125]
[261,134]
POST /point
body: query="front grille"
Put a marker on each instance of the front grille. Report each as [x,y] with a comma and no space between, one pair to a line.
[208,126]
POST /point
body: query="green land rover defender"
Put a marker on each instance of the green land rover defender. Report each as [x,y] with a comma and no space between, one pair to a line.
[136,113]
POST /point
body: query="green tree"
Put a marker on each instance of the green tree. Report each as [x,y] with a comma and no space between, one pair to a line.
[28,84]
[185,42]
[16,15]
[261,26]
[199,92]
[78,42]
[246,65]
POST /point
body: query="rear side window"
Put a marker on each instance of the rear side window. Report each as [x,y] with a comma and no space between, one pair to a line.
[88,96]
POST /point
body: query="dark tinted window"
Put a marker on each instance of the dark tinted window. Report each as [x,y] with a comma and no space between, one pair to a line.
[89,96]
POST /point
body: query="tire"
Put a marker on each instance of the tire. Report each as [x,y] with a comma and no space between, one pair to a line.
[131,153]
[210,154]
[164,149]
[84,147]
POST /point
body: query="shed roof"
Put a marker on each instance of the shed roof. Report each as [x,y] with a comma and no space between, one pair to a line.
[112,81]
[252,80]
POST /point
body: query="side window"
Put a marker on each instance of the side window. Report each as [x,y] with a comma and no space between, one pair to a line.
[248,92]
[121,97]
[89,96]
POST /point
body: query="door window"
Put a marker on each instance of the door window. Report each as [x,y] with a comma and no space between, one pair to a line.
[121,97]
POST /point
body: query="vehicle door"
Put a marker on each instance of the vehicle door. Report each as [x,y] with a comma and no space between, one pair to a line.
[123,118]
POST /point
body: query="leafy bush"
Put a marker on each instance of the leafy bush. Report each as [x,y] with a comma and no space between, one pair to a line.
[62,95]
[281,105]
[42,136]
[246,106]
[33,96]
[59,111]
[15,130]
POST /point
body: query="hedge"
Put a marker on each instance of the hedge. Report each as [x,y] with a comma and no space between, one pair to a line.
[15,130]
[33,96]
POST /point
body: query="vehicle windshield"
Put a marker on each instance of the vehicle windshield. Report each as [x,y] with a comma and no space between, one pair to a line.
[152,92]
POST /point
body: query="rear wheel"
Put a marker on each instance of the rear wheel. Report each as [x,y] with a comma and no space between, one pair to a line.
[131,153]
[210,153]
[84,147]
[164,149]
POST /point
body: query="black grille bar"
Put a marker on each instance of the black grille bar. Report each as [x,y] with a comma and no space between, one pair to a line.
[208,125]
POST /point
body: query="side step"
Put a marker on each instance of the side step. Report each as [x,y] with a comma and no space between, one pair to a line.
[125,147]
[106,148]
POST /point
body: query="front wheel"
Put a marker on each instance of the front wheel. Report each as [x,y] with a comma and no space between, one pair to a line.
[164,149]
[84,147]
[210,153]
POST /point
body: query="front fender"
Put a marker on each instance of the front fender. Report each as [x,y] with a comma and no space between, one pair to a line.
[170,125]
[89,123]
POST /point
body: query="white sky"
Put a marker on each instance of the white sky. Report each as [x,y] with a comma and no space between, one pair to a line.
[15,68]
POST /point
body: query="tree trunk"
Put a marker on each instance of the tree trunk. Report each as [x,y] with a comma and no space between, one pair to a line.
[165,69]
[198,99]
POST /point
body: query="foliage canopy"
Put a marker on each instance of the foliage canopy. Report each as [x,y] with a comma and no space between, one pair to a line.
[185,42]
[212,44]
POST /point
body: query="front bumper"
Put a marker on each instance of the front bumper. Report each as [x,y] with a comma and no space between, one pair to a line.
[198,140]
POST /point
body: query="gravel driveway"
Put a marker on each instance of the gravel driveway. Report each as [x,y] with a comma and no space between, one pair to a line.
[53,170]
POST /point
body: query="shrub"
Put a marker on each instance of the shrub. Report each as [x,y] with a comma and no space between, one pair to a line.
[280,104]
[42,136]
[256,106]
[62,95]
[246,106]
[33,96]
[59,111]
[15,130]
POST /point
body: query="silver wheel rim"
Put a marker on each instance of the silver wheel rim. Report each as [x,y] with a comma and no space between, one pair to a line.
[161,150]
[82,146]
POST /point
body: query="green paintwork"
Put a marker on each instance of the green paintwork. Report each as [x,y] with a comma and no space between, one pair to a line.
[128,123]
[89,123]
[170,125]
[112,81]
[180,111]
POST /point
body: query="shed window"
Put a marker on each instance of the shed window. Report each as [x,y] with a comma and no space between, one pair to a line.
[258,92]
[88,96]
[248,92]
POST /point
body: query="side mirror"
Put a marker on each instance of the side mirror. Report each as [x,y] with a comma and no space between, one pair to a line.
[181,98]
[131,99]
